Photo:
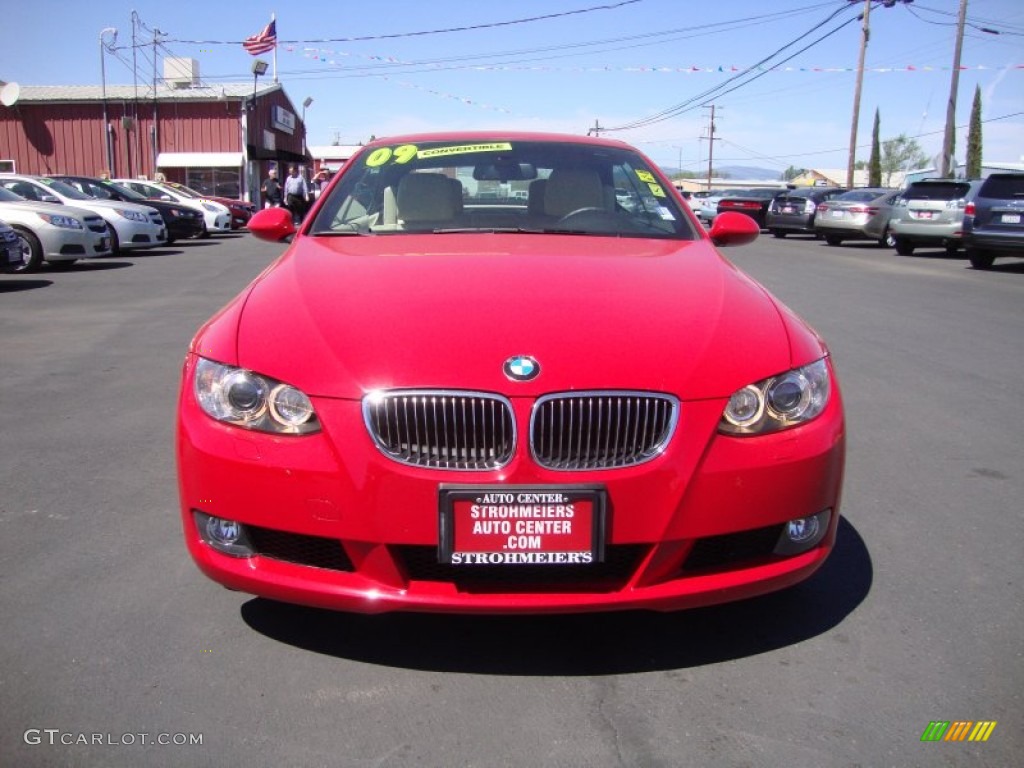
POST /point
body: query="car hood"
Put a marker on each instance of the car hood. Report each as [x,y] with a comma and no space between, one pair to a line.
[345,316]
[32,207]
[100,206]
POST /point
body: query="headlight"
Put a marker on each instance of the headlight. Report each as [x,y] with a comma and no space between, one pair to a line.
[779,402]
[211,208]
[252,401]
[60,221]
[132,215]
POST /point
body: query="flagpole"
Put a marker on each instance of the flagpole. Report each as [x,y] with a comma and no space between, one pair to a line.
[273,18]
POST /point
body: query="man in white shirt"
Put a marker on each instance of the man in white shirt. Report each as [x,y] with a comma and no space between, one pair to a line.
[296,194]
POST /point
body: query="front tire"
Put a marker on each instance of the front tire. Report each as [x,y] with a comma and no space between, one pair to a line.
[778,233]
[115,242]
[980,259]
[31,252]
[833,239]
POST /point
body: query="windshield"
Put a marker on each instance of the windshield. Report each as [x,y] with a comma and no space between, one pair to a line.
[181,189]
[65,190]
[860,195]
[529,186]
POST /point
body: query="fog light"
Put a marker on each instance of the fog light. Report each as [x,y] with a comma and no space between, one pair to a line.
[803,533]
[227,536]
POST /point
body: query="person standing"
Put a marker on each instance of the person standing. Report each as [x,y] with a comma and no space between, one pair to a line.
[271,190]
[296,194]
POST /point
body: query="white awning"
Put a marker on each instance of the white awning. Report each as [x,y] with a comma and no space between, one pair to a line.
[199,160]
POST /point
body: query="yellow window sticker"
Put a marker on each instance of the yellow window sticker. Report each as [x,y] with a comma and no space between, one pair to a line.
[645,176]
[401,155]
[501,146]
[656,190]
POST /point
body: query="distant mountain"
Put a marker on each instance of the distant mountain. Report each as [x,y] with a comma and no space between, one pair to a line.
[750,172]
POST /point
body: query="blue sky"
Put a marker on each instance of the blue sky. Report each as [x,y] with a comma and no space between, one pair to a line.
[613,61]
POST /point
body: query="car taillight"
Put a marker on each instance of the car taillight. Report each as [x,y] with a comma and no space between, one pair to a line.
[872,211]
[859,209]
[823,207]
[969,210]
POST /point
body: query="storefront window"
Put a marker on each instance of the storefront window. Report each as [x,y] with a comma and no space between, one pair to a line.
[216,182]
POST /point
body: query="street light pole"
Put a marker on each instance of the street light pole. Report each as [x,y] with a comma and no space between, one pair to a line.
[306,103]
[103,81]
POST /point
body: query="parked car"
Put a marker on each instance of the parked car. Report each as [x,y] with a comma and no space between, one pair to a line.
[570,406]
[10,248]
[241,211]
[57,235]
[795,210]
[860,214]
[752,202]
[216,217]
[182,223]
[994,220]
[930,213]
[131,226]
[707,206]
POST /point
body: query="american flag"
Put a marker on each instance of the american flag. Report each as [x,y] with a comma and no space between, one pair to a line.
[265,41]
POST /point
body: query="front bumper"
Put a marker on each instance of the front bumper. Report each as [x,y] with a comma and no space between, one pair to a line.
[338,525]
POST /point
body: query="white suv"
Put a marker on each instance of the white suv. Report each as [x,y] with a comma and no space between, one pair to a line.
[131,226]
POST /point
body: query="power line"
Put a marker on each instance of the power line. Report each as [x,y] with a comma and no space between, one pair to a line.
[422,33]
[718,91]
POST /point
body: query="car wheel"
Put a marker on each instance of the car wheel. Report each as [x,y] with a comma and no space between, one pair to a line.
[889,239]
[205,233]
[952,251]
[778,233]
[903,247]
[980,259]
[115,243]
[170,240]
[833,239]
[31,251]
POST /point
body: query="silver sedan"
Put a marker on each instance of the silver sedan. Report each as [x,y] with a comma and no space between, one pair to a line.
[860,214]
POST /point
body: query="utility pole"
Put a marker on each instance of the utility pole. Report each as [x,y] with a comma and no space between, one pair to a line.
[711,144]
[865,34]
[947,141]
[596,130]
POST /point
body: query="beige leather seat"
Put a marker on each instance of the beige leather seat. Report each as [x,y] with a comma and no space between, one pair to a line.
[427,200]
[569,189]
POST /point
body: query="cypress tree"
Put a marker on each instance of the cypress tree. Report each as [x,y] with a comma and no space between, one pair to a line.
[974,138]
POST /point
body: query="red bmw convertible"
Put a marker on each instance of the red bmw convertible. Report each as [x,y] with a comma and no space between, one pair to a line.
[482,379]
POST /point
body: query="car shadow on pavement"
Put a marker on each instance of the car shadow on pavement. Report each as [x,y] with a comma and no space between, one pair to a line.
[582,644]
[13,286]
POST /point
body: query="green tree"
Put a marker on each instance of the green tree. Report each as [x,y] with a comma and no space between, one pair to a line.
[792,172]
[875,161]
[974,138]
[901,154]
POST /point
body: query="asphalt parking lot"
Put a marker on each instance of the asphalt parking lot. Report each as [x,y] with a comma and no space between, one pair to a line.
[112,641]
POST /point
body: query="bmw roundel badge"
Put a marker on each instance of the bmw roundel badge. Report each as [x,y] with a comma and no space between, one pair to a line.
[521,368]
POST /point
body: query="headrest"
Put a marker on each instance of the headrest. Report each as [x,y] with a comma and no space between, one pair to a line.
[425,197]
[569,189]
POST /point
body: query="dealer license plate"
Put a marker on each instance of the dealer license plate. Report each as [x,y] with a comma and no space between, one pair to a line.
[1011,218]
[923,214]
[521,525]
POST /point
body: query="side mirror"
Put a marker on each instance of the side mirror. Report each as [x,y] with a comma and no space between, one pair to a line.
[732,228]
[273,224]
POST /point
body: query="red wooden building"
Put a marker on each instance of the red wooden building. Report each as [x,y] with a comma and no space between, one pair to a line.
[218,138]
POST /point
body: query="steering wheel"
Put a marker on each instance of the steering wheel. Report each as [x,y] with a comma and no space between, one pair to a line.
[580,212]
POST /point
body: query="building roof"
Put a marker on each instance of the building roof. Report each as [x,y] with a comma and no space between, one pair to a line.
[144,92]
